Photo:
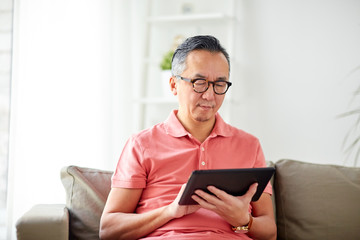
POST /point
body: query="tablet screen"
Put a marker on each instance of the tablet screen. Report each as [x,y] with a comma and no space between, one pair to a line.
[233,181]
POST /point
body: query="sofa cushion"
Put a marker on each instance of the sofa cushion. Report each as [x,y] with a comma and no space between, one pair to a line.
[316,201]
[86,193]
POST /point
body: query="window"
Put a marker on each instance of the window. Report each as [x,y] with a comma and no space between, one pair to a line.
[5,74]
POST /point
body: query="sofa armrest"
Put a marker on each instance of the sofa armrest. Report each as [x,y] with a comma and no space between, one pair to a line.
[44,221]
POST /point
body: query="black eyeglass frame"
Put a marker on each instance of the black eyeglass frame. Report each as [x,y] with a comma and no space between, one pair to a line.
[208,85]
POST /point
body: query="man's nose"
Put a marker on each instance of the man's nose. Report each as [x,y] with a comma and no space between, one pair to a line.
[209,94]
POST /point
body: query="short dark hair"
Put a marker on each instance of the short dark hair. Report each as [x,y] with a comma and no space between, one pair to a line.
[201,42]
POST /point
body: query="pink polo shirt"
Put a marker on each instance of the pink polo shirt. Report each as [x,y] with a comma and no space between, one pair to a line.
[160,159]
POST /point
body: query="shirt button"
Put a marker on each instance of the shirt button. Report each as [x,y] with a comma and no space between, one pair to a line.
[203,163]
[202,149]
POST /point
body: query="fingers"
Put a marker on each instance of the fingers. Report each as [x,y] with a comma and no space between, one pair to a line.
[210,201]
[207,196]
[200,199]
[219,193]
[221,196]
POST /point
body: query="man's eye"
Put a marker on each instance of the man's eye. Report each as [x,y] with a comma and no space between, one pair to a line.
[220,84]
[200,82]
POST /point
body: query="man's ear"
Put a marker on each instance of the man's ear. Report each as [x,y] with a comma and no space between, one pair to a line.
[173,85]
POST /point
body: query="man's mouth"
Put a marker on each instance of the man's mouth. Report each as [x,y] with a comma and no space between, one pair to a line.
[205,106]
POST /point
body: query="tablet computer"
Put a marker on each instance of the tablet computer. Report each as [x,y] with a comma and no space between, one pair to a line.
[233,181]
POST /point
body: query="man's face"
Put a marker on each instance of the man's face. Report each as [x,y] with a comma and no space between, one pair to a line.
[201,107]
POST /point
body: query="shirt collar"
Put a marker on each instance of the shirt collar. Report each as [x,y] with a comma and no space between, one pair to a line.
[174,128]
[221,128]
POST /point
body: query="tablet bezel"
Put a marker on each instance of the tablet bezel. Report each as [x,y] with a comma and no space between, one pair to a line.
[233,181]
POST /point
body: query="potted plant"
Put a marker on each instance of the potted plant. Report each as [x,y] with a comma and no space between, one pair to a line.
[165,66]
[351,143]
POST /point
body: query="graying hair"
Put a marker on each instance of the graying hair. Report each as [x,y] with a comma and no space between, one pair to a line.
[202,42]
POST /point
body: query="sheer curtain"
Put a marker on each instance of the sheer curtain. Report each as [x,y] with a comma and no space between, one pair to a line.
[71,80]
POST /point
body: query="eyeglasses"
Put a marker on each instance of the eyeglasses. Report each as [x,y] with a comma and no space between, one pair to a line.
[201,85]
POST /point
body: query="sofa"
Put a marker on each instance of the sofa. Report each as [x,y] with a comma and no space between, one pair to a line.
[311,201]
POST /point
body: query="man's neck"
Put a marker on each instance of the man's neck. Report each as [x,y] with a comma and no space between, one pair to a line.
[198,129]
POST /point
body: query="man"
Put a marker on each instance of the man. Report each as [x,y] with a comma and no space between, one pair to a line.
[155,163]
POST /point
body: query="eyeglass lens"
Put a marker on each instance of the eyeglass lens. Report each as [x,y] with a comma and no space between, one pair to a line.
[200,85]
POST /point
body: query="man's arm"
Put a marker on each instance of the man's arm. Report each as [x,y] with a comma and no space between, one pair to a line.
[235,210]
[263,226]
[119,221]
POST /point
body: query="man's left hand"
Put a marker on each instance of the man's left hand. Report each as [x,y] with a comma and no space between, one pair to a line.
[235,210]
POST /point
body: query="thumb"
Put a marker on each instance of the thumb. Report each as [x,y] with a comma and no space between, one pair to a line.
[252,190]
[182,188]
[180,192]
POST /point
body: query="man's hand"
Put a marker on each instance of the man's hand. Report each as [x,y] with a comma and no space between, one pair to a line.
[177,210]
[235,210]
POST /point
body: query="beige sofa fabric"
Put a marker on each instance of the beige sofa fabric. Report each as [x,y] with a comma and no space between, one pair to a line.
[317,201]
[44,221]
[86,193]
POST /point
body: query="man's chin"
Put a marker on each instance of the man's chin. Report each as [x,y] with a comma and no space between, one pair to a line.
[203,117]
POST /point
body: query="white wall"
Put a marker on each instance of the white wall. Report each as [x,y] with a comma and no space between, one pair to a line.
[296,61]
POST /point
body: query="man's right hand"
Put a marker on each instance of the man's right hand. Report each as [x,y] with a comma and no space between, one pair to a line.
[119,221]
[178,211]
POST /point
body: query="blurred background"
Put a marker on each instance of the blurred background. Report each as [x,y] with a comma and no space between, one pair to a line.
[78,77]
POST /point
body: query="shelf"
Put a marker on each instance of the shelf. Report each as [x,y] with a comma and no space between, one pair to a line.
[192,17]
[6,51]
[150,106]
[157,100]
[5,73]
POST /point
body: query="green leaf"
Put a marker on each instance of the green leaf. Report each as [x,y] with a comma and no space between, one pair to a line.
[166,61]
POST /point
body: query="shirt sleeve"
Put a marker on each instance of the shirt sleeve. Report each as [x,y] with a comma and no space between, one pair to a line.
[130,171]
[260,163]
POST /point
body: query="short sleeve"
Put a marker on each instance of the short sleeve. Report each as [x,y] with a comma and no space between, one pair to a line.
[130,171]
[260,163]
